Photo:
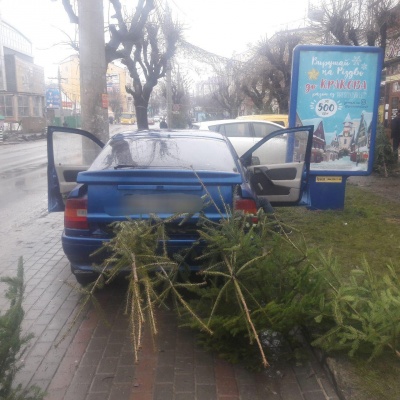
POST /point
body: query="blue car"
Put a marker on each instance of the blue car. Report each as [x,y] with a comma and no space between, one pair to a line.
[143,173]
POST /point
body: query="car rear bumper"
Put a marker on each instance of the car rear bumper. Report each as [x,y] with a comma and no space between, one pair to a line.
[80,252]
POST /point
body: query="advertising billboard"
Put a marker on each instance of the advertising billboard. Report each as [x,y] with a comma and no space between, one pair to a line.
[23,76]
[29,77]
[336,89]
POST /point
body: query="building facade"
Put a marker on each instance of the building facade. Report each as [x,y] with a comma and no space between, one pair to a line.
[69,83]
[390,88]
[22,87]
[392,81]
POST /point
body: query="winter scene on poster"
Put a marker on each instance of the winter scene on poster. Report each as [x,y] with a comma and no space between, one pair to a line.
[336,94]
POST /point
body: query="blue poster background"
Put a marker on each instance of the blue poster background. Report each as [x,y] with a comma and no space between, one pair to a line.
[52,98]
[336,89]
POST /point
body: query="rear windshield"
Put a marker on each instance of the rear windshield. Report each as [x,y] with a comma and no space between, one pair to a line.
[207,154]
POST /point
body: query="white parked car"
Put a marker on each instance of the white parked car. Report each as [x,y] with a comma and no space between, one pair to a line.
[244,134]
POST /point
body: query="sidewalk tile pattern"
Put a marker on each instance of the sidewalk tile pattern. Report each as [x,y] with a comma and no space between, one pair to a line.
[93,360]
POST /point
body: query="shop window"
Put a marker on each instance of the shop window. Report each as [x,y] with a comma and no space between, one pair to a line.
[6,107]
[23,106]
[396,87]
[394,104]
[37,107]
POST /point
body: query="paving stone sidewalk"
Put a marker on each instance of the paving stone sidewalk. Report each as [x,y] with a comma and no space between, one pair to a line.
[91,360]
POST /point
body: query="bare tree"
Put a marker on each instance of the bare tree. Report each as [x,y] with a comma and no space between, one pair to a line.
[277,54]
[180,89]
[115,102]
[144,42]
[341,22]
[255,84]
[226,87]
[381,17]
[357,22]
[223,92]
[157,102]
[206,105]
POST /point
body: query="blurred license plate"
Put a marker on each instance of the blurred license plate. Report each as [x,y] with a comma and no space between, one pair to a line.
[169,203]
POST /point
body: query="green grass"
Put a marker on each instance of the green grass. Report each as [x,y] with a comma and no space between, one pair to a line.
[378,380]
[368,227]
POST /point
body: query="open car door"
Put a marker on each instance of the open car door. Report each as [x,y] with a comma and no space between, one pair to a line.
[69,151]
[279,164]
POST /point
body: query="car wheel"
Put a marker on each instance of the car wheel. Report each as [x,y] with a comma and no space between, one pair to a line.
[84,280]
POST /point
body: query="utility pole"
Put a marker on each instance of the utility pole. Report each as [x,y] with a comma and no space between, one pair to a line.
[61,97]
[169,95]
[94,100]
[3,85]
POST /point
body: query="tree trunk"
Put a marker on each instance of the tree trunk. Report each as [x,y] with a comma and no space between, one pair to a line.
[93,68]
[141,113]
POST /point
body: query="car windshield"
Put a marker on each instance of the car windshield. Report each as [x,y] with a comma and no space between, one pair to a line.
[199,153]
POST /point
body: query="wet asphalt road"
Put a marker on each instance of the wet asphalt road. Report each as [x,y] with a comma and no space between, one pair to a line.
[23,195]
[23,182]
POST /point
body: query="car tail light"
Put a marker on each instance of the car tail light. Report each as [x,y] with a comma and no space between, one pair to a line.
[75,216]
[247,206]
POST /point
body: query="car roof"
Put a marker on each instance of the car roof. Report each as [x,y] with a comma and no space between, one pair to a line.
[257,116]
[206,124]
[195,133]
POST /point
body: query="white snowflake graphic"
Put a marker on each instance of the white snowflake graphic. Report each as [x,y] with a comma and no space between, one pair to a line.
[364,66]
[356,60]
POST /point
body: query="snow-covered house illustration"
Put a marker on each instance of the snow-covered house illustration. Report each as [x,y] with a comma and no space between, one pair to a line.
[332,148]
[359,149]
[346,136]
[318,143]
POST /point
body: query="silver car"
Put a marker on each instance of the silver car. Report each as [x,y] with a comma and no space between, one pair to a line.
[244,134]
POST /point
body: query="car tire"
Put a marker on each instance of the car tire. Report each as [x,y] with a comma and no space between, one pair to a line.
[85,280]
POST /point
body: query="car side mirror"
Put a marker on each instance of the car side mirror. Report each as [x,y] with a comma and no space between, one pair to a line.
[250,160]
[255,160]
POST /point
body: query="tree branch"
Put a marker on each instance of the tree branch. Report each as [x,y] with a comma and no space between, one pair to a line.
[73,18]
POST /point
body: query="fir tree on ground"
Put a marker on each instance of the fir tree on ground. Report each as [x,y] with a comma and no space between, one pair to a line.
[12,341]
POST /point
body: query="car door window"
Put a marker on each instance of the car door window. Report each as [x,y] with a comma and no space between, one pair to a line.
[73,149]
[279,122]
[240,129]
[278,165]
[261,129]
[288,147]
[69,151]
[72,154]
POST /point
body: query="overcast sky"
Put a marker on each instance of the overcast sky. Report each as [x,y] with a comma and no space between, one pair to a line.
[227,26]
[223,27]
